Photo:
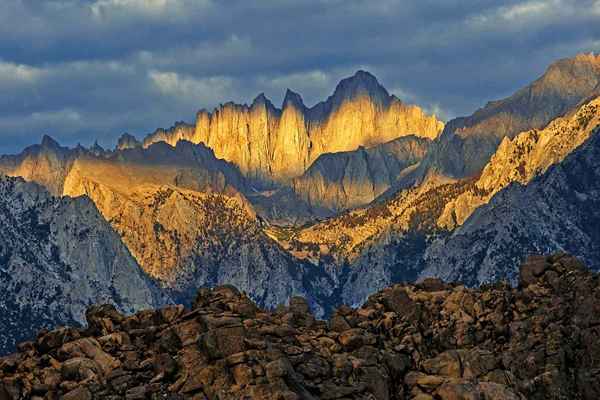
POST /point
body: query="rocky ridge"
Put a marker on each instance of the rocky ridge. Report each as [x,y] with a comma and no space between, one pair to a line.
[272,145]
[467,143]
[556,211]
[523,158]
[430,341]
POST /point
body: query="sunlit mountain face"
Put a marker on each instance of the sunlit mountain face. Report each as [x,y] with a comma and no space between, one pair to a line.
[360,202]
[348,239]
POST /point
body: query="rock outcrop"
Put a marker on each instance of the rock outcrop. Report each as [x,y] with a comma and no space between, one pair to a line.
[427,341]
[272,145]
[58,256]
[339,181]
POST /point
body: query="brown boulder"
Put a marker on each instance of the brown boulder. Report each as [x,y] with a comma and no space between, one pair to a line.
[532,269]
[447,364]
[458,391]
[79,393]
[81,369]
[398,301]
[89,348]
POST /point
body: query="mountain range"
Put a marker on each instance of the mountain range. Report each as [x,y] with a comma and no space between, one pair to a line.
[331,202]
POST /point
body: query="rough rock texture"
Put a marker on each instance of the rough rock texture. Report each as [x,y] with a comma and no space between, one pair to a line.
[339,181]
[430,341]
[275,145]
[523,158]
[189,226]
[466,144]
[58,256]
[557,211]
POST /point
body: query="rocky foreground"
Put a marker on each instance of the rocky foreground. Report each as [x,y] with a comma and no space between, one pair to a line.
[426,341]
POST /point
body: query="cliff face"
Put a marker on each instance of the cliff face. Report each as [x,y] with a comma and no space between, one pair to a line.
[466,144]
[338,181]
[521,159]
[58,256]
[186,239]
[275,145]
[555,211]
[270,147]
[426,341]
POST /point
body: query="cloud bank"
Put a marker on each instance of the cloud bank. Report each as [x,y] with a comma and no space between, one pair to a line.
[86,70]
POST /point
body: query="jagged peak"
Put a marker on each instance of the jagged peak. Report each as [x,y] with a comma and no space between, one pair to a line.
[96,147]
[263,101]
[260,99]
[293,99]
[49,142]
[128,141]
[361,83]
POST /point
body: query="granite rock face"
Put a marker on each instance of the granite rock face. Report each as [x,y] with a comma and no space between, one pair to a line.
[339,181]
[181,214]
[557,211]
[272,145]
[428,341]
[58,256]
[523,158]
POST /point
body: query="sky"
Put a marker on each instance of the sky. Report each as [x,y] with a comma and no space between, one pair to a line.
[87,70]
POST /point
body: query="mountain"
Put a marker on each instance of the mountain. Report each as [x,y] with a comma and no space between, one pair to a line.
[57,257]
[183,215]
[391,239]
[369,248]
[555,211]
[338,229]
[343,180]
[426,341]
[523,158]
[467,143]
[272,145]
[187,239]
[127,141]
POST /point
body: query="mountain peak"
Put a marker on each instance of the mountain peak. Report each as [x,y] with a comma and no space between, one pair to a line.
[49,142]
[362,83]
[128,141]
[363,75]
[582,68]
[262,100]
[293,98]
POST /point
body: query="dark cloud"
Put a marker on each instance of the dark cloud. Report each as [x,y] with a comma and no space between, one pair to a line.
[82,70]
